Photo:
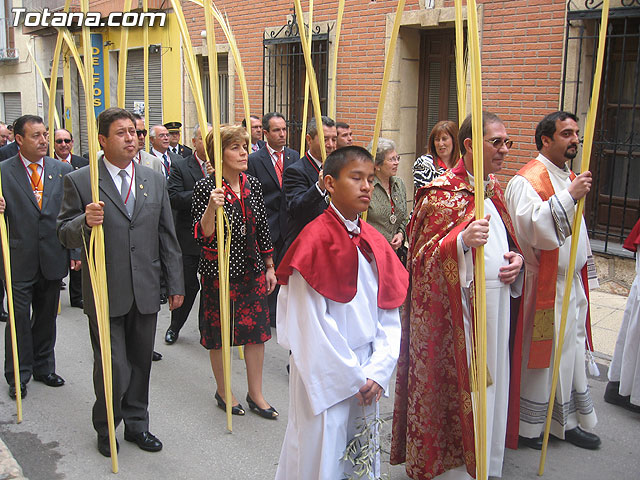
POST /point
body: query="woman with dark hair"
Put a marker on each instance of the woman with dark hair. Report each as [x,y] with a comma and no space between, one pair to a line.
[443,152]
[251,270]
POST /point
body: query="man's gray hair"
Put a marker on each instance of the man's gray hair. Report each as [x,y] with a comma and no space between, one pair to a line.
[384,146]
[152,130]
[197,127]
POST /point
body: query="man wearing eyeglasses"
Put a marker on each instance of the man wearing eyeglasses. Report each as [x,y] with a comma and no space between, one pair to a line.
[63,145]
[542,200]
[159,138]
[143,157]
[433,366]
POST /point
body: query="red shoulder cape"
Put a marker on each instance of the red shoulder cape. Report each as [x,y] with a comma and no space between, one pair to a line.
[633,240]
[433,427]
[327,258]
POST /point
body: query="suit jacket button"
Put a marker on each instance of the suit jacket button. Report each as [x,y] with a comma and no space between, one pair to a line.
[131,227]
[133,249]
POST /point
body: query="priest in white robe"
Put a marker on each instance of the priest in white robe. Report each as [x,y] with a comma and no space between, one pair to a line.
[541,200]
[624,373]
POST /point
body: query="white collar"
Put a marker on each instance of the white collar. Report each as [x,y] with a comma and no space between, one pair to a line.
[353,227]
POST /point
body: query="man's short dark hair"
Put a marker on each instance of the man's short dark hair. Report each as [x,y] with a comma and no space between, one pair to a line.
[342,125]
[547,126]
[340,157]
[137,117]
[244,120]
[18,125]
[110,115]
[466,127]
[312,127]
[267,118]
[62,130]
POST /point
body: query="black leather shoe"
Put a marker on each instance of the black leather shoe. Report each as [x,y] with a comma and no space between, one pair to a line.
[156,356]
[535,443]
[582,439]
[145,440]
[269,413]
[163,298]
[63,286]
[4,316]
[23,390]
[77,303]
[104,447]
[50,379]
[235,410]
[170,337]
[612,395]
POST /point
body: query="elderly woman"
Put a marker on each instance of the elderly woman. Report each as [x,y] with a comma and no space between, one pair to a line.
[251,271]
[388,208]
[442,154]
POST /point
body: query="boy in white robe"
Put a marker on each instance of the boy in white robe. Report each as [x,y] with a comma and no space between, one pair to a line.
[338,314]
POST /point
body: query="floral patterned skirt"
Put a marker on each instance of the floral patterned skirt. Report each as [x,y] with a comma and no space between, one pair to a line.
[249,311]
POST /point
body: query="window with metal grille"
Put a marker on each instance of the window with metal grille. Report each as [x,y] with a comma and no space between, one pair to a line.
[223,87]
[613,205]
[284,76]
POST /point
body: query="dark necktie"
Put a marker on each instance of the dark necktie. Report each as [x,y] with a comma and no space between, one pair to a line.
[125,192]
[165,160]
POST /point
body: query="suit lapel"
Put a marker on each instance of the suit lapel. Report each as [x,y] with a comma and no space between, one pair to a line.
[105,183]
[194,168]
[141,186]
[52,176]
[20,174]
[265,158]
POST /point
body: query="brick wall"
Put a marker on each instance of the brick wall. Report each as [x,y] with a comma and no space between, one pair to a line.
[522,42]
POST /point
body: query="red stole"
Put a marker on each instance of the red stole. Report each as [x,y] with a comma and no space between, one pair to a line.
[633,240]
[433,428]
[543,324]
[327,258]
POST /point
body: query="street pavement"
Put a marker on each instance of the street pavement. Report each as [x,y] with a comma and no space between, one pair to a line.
[56,439]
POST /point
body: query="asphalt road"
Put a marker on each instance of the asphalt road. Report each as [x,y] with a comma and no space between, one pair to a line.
[56,439]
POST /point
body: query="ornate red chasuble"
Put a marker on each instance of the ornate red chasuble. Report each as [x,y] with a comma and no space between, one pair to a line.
[433,418]
[327,258]
[633,240]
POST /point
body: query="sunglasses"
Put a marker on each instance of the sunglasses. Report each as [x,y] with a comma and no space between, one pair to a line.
[141,132]
[65,140]
[497,143]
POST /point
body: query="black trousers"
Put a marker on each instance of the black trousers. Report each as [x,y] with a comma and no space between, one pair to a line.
[132,338]
[35,305]
[75,285]
[191,287]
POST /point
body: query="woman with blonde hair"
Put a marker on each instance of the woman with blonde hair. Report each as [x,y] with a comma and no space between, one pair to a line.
[251,270]
[443,152]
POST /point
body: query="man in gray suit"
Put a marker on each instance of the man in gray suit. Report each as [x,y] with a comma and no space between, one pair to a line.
[32,192]
[140,244]
[159,138]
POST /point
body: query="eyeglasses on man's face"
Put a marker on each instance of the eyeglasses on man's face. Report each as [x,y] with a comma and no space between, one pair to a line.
[497,143]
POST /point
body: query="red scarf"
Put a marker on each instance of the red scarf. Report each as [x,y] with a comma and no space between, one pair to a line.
[324,252]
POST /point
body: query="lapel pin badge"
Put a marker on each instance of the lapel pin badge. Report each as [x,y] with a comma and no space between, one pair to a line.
[145,194]
[50,177]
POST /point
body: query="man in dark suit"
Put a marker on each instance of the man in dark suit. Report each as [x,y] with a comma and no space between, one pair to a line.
[174,140]
[256,133]
[268,165]
[303,184]
[140,243]
[9,150]
[5,134]
[159,139]
[184,176]
[62,146]
[32,193]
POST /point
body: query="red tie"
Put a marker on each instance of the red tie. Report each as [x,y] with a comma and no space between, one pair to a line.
[279,166]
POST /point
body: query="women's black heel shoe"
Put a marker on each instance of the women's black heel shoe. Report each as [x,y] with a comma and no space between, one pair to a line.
[268,413]
[235,410]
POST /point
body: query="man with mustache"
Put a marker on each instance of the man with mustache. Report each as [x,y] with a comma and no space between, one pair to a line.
[542,200]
